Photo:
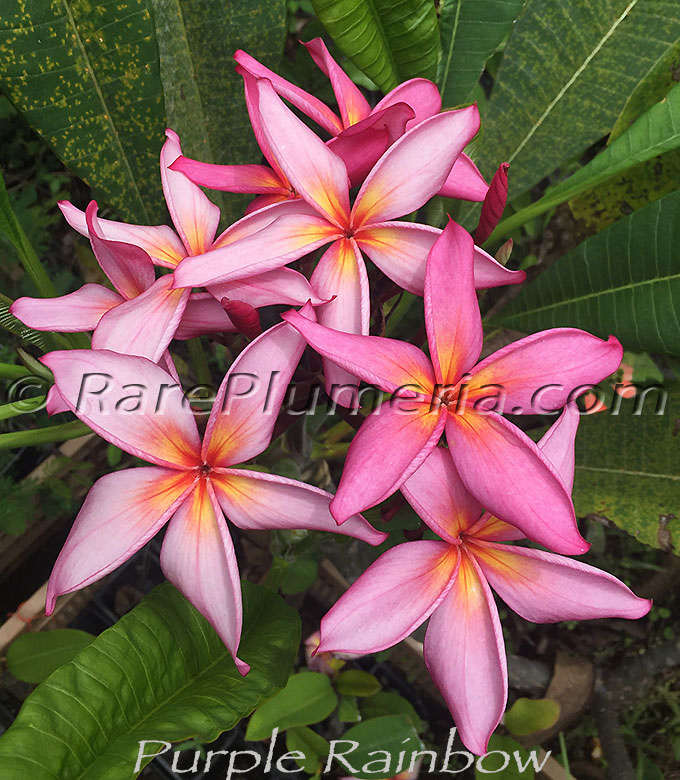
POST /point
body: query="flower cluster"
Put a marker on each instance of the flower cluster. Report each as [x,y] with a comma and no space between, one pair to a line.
[490,485]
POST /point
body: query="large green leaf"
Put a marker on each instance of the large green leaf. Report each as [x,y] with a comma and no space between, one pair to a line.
[160,673]
[655,132]
[624,280]
[381,740]
[471,32]
[307,698]
[390,42]
[85,76]
[567,71]
[204,99]
[628,467]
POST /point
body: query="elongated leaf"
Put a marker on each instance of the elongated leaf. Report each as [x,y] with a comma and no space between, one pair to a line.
[33,657]
[85,76]
[313,746]
[662,76]
[567,72]
[655,132]
[160,673]
[529,715]
[307,698]
[628,467]
[624,280]
[390,42]
[471,32]
[384,737]
[355,682]
[204,99]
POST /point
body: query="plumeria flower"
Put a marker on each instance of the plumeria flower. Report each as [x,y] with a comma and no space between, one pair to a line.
[450,582]
[361,134]
[195,219]
[497,462]
[405,177]
[137,406]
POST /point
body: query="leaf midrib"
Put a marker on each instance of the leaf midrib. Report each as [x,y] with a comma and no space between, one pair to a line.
[107,112]
[454,33]
[628,472]
[571,81]
[608,291]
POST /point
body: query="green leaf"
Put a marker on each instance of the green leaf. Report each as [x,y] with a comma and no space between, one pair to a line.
[529,715]
[628,467]
[85,76]
[493,764]
[314,747]
[662,75]
[9,225]
[300,575]
[355,682]
[204,99]
[471,32]
[567,72]
[390,42]
[307,698]
[33,657]
[389,735]
[388,703]
[160,673]
[624,280]
[654,133]
[348,710]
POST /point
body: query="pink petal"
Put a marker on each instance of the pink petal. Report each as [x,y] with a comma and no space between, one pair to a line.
[254,501]
[465,182]
[341,276]
[145,325]
[494,204]
[545,588]
[422,95]
[307,103]
[198,558]
[317,174]
[363,144]
[262,201]
[438,495]
[352,104]
[388,448]
[494,530]
[415,167]
[390,599]
[121,513]
[282,285]
[490,273]
[194,216]
[160,242]
[203,315]
[231,178]
[400,251]
[544,371]
[254,222]
[465,655]
[512,478]
[282,241]
[248,402]
[55,403]
[452,316]
[386,363]
[78,311]
[129,268]
[558,444]
[129,401]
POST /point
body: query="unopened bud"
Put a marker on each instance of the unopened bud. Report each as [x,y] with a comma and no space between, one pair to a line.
[244,317]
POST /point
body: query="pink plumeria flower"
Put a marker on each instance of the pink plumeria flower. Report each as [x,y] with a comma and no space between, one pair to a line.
[361,134]
[136,405]
[450,582]
[498,463]
[405,178]
[195,219]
